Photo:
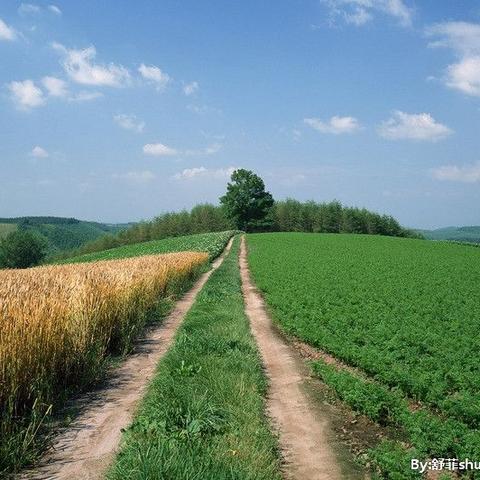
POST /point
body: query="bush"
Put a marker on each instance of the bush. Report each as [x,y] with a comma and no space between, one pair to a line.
[21,249]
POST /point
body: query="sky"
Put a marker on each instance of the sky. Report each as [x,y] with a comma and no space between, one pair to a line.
[117,110]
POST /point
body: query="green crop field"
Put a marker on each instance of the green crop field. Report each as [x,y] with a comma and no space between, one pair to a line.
[406,312]
[212,243]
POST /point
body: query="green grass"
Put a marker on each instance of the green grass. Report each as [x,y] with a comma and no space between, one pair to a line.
[212,243]
[6,228]
[203,415]
[404,311]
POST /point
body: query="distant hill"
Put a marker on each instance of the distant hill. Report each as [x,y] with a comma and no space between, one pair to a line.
[458,234]
[60,233]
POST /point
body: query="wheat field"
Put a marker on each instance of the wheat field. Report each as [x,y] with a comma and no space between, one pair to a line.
[57,323]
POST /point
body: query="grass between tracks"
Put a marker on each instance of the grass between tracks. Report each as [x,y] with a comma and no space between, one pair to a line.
[203,415]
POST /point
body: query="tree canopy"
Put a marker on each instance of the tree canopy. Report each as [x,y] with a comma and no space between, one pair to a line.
[21,249]
[247,203]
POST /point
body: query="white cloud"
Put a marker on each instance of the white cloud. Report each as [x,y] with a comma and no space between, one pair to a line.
[80,67]
[6,32]
[190,88]
[39,152]
[159,150]
[454,173]
[464,39]
[154,75]
[210,150]
[421,126]
[336,125]
[55,86]
[361,12]
[85,96]
[28,8]
[26,94]
[465,76]
[54,9]
[191,173]
[202,172]
[136,177]
[358,17]
[129,122]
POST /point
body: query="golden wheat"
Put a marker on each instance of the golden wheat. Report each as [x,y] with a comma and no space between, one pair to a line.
[58,322]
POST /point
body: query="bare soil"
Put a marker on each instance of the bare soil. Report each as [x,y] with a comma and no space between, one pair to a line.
[308,443]
[85,449]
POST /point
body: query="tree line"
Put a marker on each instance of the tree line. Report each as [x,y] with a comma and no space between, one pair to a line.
[242,211]
[245,206]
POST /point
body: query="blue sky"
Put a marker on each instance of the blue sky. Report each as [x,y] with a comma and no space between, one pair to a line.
[119,110]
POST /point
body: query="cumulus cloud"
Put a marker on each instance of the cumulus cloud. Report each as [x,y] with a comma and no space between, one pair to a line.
[154,75]
[202,172]
[129,122]
[26,94]
[54,9]
[336,125]
[39,152]
[190,88]
[454,173]
[55,86]
[465,76]
[463,39]
[159,150]
[136,177]
[80,66]
[6,32]
[421,127]
[361,12]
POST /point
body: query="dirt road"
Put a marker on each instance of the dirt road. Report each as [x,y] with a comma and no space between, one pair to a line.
[86,448]
[303,432]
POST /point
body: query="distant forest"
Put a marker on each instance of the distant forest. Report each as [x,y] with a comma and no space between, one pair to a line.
[286,216]
[60,234]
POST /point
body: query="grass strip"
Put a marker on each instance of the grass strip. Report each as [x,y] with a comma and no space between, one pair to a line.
[426,435]
[203,415]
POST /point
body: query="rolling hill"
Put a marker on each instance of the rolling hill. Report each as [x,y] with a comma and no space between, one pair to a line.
[60,233]
[458,234]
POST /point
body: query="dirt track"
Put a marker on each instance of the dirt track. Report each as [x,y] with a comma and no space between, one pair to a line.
[86,448]
[303,433]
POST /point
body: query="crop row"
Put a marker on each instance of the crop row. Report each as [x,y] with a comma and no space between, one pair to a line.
[405,312]
[212,243]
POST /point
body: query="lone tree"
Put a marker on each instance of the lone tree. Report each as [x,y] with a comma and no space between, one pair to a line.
[21,249]
[247,203]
